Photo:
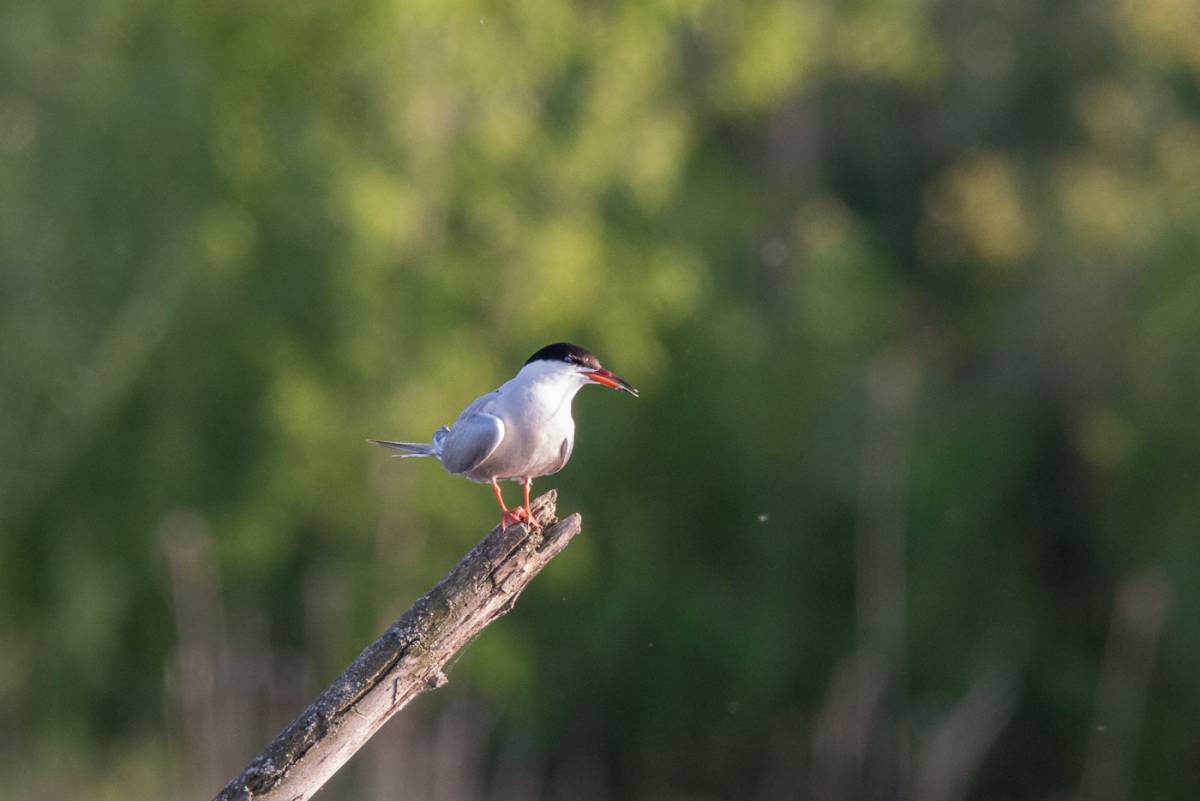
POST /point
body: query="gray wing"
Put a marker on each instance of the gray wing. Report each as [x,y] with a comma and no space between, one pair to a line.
[564,453]
[472,438]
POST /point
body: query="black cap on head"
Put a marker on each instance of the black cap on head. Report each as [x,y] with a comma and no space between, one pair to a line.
[565,352]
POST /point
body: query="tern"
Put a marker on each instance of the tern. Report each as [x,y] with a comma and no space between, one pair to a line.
[521,431]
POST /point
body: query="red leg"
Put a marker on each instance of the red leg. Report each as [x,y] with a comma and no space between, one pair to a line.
[507,518]
[528,508]
[499,497]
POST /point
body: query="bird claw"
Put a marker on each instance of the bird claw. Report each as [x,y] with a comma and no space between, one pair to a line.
[511,517]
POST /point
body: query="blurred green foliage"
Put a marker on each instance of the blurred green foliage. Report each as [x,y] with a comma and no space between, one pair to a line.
[907,287]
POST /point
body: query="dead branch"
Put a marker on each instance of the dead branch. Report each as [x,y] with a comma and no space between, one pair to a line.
[405,661]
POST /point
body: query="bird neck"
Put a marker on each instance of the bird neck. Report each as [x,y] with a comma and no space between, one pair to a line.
[550,387]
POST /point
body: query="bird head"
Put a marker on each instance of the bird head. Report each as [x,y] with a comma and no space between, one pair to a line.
[577,361]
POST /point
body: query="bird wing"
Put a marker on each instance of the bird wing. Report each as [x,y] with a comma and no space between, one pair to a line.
[564,452]
[472,438]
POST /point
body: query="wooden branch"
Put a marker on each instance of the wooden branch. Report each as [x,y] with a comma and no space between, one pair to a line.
[405,662]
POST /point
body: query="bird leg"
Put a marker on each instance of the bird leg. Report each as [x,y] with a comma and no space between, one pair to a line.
[509,518]
[528,508]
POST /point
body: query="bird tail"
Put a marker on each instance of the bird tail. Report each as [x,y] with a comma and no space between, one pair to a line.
[433,448]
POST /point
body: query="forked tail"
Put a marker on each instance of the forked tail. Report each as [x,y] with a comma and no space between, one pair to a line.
[416,448]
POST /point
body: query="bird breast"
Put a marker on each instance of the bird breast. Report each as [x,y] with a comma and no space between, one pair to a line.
[539,433]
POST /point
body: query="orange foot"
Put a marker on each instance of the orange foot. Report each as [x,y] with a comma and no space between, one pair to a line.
[530,520]
[513,516]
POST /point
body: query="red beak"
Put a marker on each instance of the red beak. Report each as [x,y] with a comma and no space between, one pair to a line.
[607,379]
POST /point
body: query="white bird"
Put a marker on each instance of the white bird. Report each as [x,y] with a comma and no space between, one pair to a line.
[521,431]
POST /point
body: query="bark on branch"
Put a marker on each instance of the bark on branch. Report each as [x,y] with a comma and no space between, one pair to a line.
[405,661]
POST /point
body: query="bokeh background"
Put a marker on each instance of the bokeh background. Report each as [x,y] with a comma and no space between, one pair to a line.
[908,507]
